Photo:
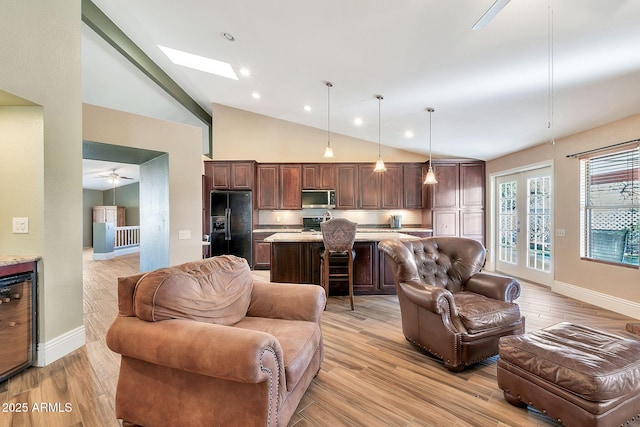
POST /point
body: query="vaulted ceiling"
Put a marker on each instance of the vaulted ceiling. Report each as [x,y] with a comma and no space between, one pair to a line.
[491,88]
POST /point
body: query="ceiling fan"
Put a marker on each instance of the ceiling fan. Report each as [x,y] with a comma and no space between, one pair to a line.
[491,13]
[113,177]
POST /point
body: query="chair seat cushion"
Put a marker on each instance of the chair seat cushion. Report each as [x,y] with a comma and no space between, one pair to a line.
[214,290]
[590,363]
[479,313]
[300,341]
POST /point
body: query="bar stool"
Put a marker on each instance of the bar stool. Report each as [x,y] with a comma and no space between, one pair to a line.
[336,258]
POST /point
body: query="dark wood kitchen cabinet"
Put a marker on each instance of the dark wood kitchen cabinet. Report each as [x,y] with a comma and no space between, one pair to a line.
[279,186]
[347,186]
[457,200]
[414,189]
[290,187]
[230,175]
[391,186]
[318,176]
[369,195]
[261,251]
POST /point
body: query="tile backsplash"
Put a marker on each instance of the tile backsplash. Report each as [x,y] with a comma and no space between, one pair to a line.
[380,217]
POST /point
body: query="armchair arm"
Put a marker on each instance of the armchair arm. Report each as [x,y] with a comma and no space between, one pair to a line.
[432,298]
[287,301]
[494,286]
[224,352]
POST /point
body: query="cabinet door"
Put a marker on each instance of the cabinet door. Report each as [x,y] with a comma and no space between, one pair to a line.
[220,176]
[386,283]
[369,187]
[327,177]
[242,175]
[261,251]
[310,176]
[365,268]
[445,223]
[286,262]
[472,185]
[346,186]
[291,187]
[445,192]
[413,187]
[472,225]
[268,186]
[391,194]
[319,176]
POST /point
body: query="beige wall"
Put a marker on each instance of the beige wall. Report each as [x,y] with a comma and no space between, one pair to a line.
[183,145]
[242,135]
[40,51]
[590,278]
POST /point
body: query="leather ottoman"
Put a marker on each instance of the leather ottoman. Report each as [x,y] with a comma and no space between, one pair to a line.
[579,376]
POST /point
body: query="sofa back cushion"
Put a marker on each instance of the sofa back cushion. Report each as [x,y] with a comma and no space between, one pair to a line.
[214,290]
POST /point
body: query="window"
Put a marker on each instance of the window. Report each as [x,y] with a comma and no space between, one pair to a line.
[610,201]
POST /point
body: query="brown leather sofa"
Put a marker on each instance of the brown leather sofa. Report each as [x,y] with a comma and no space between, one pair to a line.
[205,344]
[449,307]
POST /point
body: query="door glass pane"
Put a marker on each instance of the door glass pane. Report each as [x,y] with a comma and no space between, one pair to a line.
[508,223]
[539,223]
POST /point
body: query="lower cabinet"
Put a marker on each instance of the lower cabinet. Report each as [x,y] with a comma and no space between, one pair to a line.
[261,251]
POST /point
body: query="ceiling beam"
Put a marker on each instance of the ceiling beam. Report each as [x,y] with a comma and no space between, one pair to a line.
[109,31]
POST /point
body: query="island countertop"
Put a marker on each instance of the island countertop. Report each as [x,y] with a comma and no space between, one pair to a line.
[7,260]
[305,236]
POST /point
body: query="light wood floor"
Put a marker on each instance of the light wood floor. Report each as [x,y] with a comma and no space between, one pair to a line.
[371,375]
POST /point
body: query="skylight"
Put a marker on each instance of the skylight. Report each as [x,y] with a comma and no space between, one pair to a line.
[200,63]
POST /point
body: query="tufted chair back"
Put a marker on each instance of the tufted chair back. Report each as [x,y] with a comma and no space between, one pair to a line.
[446,262]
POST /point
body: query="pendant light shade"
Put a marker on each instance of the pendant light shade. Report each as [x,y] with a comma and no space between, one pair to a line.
[328,152]
[431,176]
[379,163]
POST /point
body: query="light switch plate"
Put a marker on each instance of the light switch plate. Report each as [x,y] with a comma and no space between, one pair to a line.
[184,234]
[20,225]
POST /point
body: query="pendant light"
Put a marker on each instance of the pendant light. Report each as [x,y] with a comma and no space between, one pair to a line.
[379,163]
[431,176]
[328,152]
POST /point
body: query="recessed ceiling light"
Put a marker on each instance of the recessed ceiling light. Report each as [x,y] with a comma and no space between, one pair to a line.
[307,108]
[408,134]
[245,72]
[256,95]
[357,121]
[228,37]
[200,63]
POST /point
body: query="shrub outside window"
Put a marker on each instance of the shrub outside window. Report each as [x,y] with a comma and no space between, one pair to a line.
[610,202]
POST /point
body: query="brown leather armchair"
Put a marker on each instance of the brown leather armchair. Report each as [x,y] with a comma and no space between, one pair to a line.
[205,344]
[449,307]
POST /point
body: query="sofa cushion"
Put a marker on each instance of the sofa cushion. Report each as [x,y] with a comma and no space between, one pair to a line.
[479,313]
[300,341]
[214,290]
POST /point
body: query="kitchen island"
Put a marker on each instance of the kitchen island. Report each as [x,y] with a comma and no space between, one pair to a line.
[295,258]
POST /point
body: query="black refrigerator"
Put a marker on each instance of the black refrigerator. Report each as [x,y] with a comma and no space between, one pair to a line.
[231,224]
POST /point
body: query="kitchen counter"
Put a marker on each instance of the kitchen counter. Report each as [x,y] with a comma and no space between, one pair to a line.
[361,236]
[17,259]
[360,229]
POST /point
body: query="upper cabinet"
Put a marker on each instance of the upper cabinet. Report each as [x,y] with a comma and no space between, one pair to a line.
[232,175]
[318,176]
[347,186]
[279,186]
[414,189]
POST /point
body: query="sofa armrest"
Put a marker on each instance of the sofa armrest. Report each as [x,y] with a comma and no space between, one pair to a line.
[287,301]
[494,286]
[224,352]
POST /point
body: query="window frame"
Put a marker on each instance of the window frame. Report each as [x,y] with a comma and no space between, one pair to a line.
[616,191]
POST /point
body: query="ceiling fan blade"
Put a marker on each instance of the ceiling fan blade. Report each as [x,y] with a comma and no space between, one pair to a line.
[125,177]
[490,14]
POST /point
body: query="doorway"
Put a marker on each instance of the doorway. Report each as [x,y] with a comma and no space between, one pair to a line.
[523,213]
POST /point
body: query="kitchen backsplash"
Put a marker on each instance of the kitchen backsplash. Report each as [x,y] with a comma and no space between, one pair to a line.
[365,217]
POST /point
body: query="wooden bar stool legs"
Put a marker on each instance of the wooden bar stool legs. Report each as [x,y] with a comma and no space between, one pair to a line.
[337,267]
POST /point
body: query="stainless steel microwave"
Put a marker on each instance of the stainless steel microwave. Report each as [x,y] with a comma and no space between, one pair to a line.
[318,199]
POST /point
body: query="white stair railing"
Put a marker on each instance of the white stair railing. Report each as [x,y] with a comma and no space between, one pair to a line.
[127,236]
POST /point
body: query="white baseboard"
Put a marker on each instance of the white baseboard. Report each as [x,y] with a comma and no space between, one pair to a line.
[615,304]
[127,250]
[103,256]
[60,346]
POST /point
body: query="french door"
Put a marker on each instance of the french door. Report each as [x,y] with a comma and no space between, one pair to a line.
[523,228]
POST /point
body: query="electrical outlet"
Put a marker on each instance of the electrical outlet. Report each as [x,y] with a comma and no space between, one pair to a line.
[184,234]
[560,232]
[21,225]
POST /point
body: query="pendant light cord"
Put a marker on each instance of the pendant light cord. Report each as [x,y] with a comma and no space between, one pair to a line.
[380,98]
[550,75]
[329,86]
